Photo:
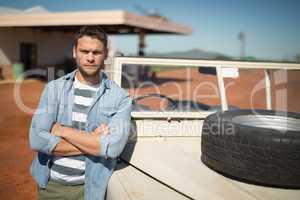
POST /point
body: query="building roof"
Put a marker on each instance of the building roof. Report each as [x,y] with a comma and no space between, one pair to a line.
[113,21]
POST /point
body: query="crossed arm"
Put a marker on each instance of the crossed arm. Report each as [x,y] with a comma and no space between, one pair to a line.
[75,142]
[44,138]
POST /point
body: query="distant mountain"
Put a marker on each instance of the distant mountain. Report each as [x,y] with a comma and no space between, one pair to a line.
[193,54]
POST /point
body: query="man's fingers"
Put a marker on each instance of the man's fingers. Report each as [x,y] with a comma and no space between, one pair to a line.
[102,129]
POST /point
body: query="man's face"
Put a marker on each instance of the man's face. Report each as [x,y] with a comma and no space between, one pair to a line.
[89,55]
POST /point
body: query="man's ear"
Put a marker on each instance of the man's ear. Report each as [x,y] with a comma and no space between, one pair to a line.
[74,52]
[106,54]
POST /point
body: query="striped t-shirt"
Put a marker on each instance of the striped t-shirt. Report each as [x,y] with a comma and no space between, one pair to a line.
[70,170]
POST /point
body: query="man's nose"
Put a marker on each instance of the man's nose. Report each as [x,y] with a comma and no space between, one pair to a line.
[90,57]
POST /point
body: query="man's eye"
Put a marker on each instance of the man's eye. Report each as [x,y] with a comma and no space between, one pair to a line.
[97,52]
[84,51]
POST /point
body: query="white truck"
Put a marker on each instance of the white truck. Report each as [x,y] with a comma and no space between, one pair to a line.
[163,160]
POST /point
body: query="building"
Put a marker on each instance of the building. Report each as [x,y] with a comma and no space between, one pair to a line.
[39,38]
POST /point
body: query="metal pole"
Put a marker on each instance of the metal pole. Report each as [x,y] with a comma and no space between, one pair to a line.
[142,70]
[142,43]
[222,89]
[268,90]
[117,71]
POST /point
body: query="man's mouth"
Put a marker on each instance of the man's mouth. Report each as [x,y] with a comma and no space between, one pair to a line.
[89,65]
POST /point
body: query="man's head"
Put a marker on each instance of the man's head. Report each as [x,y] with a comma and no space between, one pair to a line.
[90,50]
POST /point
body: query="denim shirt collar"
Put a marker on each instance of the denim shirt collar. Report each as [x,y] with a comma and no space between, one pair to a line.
[103,79]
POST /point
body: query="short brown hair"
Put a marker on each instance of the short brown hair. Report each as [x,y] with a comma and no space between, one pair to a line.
[93,32]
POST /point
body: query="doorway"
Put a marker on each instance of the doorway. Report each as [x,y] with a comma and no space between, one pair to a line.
[28,55]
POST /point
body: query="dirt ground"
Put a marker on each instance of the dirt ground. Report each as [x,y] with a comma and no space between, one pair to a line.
[16,156]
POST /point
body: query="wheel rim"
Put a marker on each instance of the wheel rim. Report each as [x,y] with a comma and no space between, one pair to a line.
[269,121]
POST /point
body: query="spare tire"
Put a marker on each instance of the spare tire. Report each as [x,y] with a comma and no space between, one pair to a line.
[255,146]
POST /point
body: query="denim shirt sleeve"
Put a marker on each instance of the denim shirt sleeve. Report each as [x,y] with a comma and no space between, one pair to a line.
[40,138]
[112,145]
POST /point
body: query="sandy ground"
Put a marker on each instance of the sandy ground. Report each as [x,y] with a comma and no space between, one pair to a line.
[16,156]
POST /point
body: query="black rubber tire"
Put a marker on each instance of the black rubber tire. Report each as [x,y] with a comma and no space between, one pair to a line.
[258,155]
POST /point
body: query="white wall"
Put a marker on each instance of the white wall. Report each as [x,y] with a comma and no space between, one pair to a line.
[52,47]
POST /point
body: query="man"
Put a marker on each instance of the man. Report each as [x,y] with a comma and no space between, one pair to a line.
[80,126]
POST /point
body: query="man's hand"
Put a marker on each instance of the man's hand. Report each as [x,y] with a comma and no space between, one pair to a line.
[103,129]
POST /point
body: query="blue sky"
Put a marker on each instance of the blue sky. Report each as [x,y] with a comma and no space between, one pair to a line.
[272,27]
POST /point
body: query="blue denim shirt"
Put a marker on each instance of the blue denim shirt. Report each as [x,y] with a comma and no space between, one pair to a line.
[112,106]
